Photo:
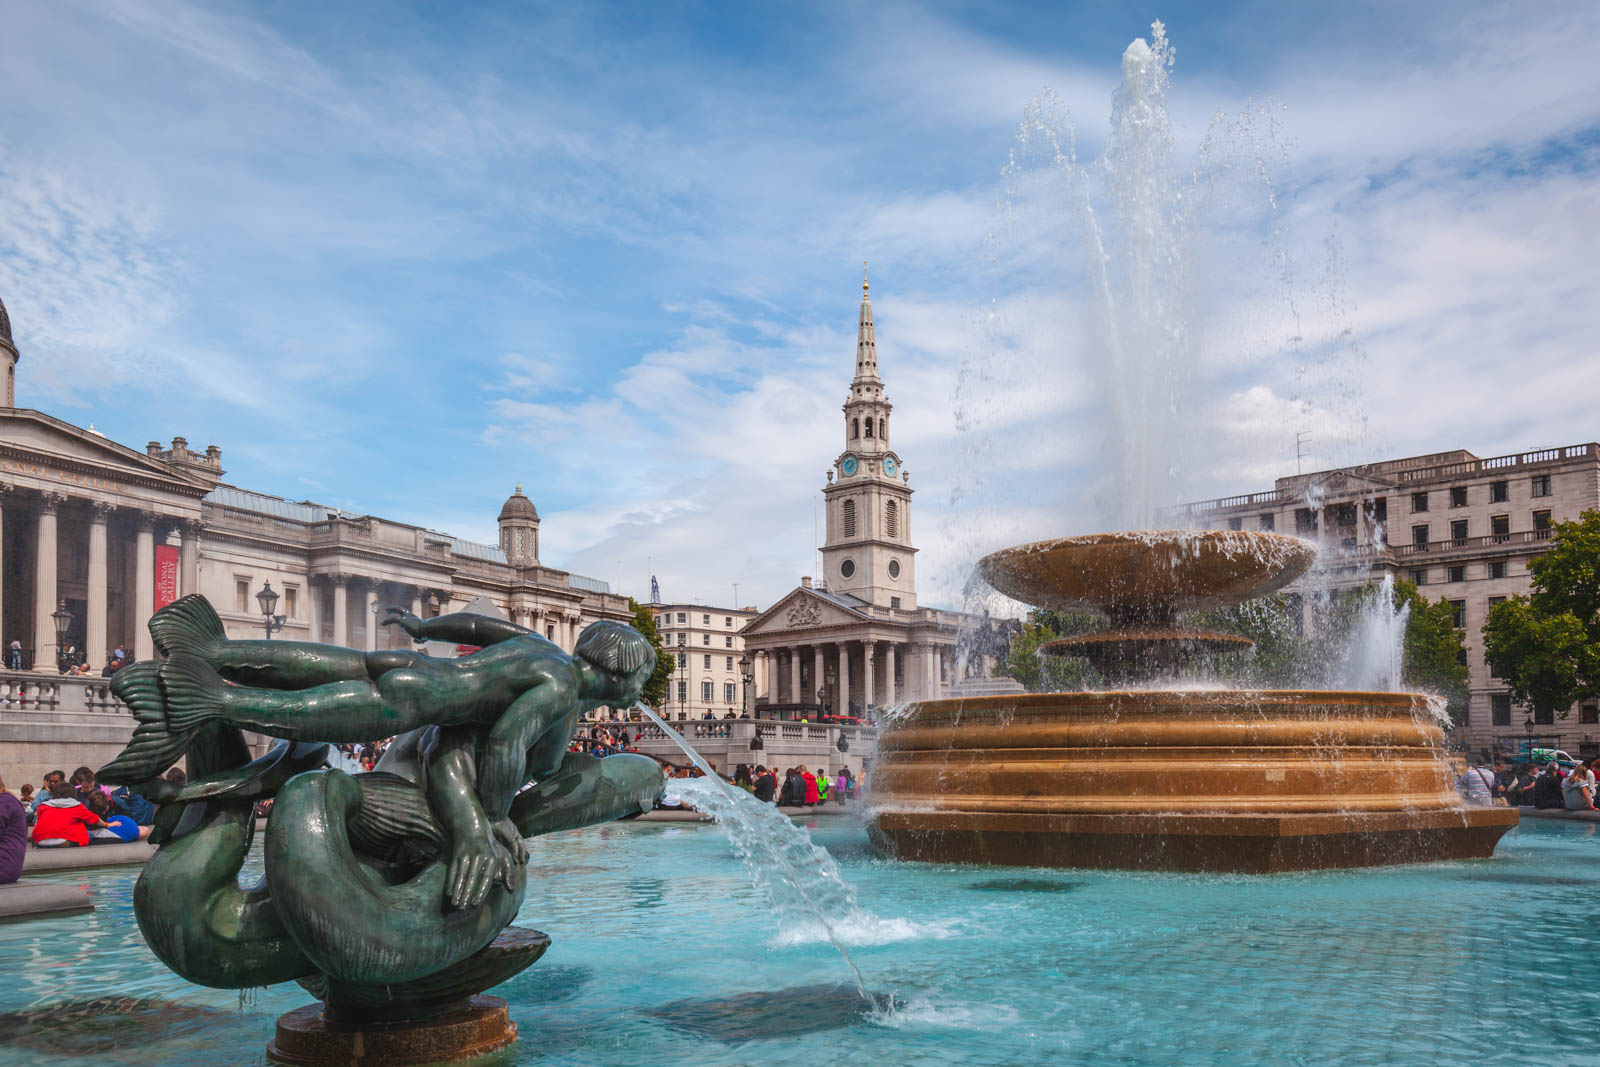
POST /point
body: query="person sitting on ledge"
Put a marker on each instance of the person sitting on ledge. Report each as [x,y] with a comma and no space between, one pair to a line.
[13,836]
[1577,789]
[63,821]
[1547,788]
[118,829]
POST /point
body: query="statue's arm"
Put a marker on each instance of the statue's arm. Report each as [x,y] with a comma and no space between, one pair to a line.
[476,861]
[503,756]
[459,628]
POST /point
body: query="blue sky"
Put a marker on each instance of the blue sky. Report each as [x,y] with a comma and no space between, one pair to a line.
[398,259]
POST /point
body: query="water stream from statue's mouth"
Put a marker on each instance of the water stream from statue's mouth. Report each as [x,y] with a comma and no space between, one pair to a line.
[766,839]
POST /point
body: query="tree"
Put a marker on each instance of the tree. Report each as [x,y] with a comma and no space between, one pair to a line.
[1041,672]
[655,689]
[1434,662]
[1546,647]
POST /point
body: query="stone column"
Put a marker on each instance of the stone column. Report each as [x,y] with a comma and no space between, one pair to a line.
[341,615]
[842,698]
[369,604]
[416,601]
[868,662]
[189,557]
[930,669]
[891,693]
[759,686]
[94,644]
[44,583]
[144,587]
[794,675]
[819,676]
[5,490]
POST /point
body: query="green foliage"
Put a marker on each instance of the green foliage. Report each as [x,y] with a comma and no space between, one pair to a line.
[655,690]
[1433,659]
[1040,672]
[1280,658]
[1547,647]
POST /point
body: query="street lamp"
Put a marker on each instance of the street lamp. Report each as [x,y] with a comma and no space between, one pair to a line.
[268,599]
[63,620]
[749,675]
[827,698]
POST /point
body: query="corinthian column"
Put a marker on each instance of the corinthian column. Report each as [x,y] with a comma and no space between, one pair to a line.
[341,614]
[144,587]
[868,662]
[189,557]
[44,583]
[891,692]
[94,645]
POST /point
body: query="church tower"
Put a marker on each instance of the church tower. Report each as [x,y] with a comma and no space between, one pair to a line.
[519,530]
[868,551]
[8,357]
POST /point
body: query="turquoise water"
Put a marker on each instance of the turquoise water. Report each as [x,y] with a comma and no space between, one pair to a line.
[663,954]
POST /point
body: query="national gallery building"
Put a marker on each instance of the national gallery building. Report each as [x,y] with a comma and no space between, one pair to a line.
[95,536]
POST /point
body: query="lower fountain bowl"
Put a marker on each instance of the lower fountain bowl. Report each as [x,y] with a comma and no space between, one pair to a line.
[1192,780]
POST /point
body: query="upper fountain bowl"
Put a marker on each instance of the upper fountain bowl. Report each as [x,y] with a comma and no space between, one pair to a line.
[1148,572]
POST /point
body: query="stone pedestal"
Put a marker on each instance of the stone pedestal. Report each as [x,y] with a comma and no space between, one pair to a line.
[306,1038]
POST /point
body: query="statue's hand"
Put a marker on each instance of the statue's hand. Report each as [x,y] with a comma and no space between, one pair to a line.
[506,832]
[405,620]
[476,863]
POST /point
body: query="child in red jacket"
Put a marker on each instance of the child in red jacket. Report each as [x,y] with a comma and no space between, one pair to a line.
[62,820]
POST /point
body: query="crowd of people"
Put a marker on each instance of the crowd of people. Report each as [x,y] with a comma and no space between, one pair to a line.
[71,812]
[1545,786]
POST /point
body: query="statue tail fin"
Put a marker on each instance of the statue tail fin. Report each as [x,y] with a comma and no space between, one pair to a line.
[188,624]
[170,701]
[392,812]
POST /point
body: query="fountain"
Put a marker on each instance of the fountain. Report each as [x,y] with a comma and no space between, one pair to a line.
[1169,779]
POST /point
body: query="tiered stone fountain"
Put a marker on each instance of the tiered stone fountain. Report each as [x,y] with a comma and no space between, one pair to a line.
[1169,779]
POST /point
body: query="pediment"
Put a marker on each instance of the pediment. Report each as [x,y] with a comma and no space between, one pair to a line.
[802,609]
[38,444]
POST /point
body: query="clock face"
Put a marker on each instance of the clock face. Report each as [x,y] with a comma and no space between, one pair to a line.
[848,467]
[888,465]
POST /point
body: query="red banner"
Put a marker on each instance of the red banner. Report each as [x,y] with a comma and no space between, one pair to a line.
[166,575]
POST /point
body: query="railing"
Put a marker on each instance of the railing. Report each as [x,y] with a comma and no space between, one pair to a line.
[27,691]
[1521,459]
[1456,544]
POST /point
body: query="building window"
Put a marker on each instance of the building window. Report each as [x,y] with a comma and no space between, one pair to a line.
[1419,576]
[1497,569]
[683,659]
[727,640]
[705,639]
[1458,573]
[708,663]
[894,602]
[1348,544]
[729,693]
[1236,524]
[1588,714]
[727,620]
[1305,521]
[550,634]
[1419,536]
[1541,485]
[869,427]
[730,664]
[683,639]
[241,594]
[1346,514]
[1269,522]
[682,618]
[1458,496]
[705,620]
[1499,492]
[291,601]
[855,428]
[1458,530]
[1500,709]
[1378,510]
[1500,528]
[1459,607]
[683,692]
[705,692]
[848,568]
[1541,525]
[1547,717]
[894,568]
[1461,656]
[1496,600]
[891,518]
[1419,501]
[849,520]
[883,428]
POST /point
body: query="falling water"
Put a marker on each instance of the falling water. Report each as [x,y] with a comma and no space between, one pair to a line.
[1375,654]
[798,879]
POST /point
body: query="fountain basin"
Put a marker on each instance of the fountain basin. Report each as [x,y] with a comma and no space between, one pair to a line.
[1180,780]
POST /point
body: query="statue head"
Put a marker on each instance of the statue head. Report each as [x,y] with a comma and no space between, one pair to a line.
[621,657]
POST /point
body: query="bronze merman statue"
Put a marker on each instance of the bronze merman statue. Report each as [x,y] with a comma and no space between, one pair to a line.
[384,892]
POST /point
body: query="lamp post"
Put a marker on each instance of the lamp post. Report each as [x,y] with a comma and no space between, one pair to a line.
[268,599]
[747,675]
[63,621]
[826,698]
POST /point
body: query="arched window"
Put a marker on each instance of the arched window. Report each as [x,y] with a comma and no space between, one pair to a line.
[883,427]
[855,428]
[891,519]
[869,427]
[849,518]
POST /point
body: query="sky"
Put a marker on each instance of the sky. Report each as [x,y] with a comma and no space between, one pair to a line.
[398,258]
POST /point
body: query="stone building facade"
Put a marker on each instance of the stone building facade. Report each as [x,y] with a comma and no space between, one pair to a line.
[1460,527]
[109,533]
[856,638]
[707,645]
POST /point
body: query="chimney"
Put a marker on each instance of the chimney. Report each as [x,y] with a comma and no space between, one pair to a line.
[153,448]
[805,582]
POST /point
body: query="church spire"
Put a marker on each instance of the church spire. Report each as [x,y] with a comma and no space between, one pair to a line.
[866,341]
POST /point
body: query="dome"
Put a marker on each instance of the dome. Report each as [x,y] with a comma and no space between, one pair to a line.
[518,507]
[5,326]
